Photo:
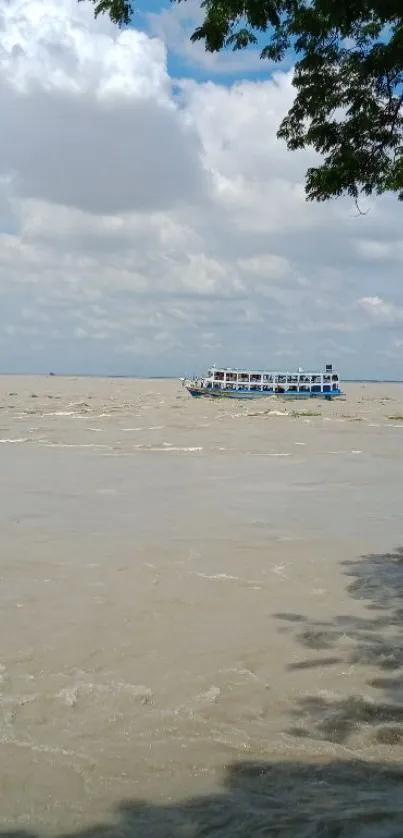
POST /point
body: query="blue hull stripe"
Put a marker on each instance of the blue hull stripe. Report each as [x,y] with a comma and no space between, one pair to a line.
[215,393]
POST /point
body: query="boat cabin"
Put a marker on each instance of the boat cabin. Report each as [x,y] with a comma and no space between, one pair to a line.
[272,382]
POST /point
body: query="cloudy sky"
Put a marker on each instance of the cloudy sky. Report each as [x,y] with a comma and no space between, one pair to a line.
[151,223]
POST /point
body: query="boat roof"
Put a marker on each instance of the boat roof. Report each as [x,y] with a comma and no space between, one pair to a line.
[252,371]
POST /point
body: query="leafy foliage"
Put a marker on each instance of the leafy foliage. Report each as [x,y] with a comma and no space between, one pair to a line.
[348,78]
[119,11]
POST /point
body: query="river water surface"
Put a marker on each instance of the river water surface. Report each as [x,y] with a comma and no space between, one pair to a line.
[201,612]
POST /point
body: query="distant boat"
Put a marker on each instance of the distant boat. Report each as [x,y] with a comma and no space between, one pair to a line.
[231,383]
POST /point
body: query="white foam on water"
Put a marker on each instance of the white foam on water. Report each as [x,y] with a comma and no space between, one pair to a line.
[47,444]
[190,449]
[220,576]
[71,695]
[273,453]
[257,413]
[60,413]
[81,416]
[245,673]
[46,749]
[209,696]
[343,453]
[279,570]
[15,440]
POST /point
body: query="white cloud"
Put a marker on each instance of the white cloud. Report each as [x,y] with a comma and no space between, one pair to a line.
[381,311]
[381,250]
[147,230]
[88,119]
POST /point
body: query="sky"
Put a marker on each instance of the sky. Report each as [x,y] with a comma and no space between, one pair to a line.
[152,224]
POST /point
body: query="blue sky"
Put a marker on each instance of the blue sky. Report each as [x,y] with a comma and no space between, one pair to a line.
[146,17]
[153,224]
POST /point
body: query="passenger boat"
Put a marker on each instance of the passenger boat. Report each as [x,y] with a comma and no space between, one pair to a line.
[231,383]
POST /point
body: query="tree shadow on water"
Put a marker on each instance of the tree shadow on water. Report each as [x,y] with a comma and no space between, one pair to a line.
[278,799]
[374,641]
[313,798]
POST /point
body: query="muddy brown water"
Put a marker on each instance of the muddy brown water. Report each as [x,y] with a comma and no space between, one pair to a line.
[201,611]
